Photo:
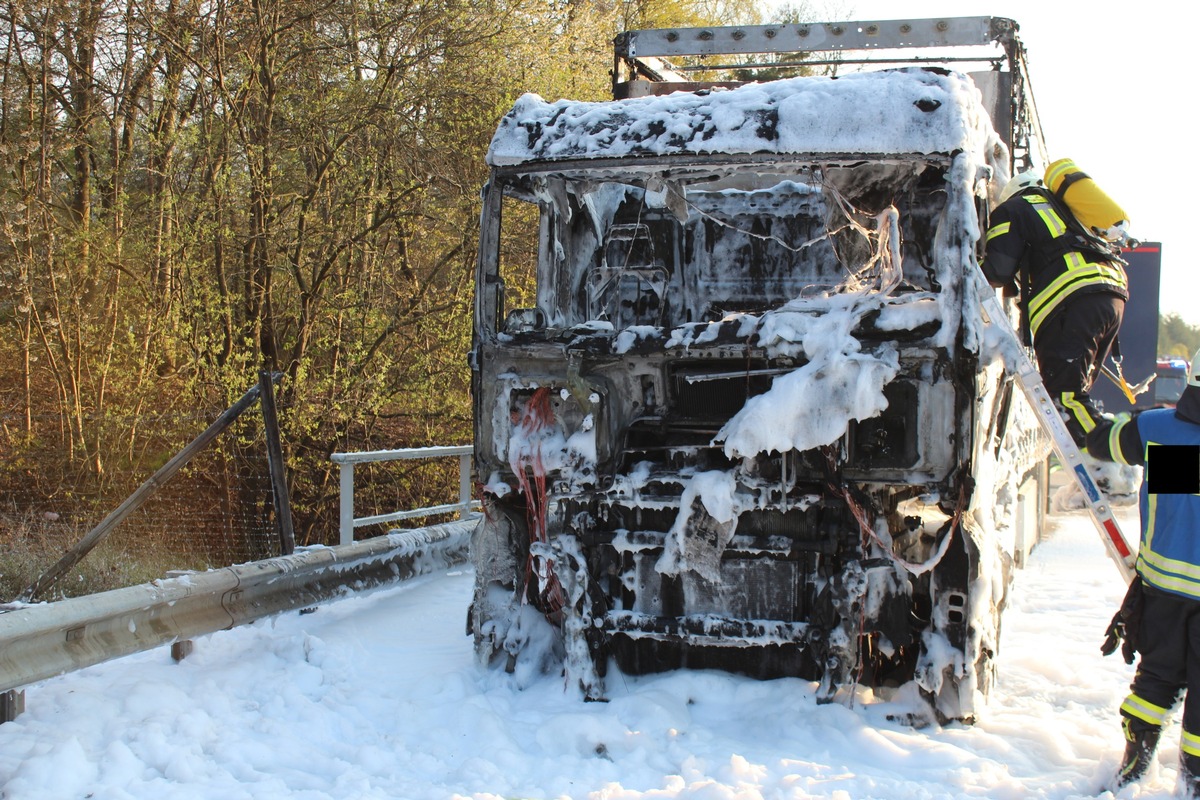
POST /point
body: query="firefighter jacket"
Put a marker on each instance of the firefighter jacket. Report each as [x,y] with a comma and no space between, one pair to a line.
[1036,245]
[1169,554]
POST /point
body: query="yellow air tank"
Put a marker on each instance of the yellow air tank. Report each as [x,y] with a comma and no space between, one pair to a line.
[1091,206]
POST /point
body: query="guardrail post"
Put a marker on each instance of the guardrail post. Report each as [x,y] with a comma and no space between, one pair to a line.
[464,484]
[12,704]
[346,507]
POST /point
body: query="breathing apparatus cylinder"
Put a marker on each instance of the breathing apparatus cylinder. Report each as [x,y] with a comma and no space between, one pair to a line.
[1087,201]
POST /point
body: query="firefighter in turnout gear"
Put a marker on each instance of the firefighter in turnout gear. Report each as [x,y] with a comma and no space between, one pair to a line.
[1160,618]
[1072,287]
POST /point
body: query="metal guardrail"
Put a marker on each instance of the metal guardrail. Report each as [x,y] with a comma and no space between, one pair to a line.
[48,639]
[347,522]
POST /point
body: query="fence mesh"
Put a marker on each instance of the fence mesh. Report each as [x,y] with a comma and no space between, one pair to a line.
[217,510]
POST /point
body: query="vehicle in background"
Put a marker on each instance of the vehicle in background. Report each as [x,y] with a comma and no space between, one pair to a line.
[1172,375]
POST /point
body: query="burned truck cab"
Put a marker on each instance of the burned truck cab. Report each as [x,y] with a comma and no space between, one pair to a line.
[731,404]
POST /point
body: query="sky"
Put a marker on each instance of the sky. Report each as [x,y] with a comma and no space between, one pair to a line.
[379,696]
[1110,80]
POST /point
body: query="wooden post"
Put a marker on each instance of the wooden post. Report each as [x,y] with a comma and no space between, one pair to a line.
[131,504]
[182,649]
[279,490]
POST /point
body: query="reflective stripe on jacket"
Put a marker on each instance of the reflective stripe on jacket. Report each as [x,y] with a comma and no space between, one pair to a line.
[1169,555]
[1029,236]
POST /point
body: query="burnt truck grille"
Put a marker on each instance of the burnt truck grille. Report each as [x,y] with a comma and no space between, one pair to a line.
[706,395]
[749,589]
[825,528]
[714,392]
[766,571]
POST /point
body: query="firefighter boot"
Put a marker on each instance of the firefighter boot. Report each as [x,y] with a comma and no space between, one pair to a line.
[1079,413]
[1189,776]
[1141,739]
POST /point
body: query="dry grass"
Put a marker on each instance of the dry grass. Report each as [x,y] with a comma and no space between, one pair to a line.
[31,543]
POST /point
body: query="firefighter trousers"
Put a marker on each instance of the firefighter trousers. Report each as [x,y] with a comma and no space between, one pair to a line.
[1071,345]
[1169,643]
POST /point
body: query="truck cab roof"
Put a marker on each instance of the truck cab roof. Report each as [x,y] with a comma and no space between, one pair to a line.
[906,111]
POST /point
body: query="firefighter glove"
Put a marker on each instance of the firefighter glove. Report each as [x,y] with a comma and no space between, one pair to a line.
[1125,624]
[1113,637]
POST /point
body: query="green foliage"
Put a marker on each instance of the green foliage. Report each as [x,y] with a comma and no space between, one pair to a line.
[193,193]
[1176,337]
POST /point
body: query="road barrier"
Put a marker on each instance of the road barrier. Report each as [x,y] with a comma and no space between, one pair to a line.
[346,461]
[47,639]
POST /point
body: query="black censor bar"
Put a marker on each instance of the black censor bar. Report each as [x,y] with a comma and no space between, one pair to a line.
[1173,469]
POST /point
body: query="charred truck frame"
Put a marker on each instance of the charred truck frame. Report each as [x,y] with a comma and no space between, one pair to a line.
[738,410]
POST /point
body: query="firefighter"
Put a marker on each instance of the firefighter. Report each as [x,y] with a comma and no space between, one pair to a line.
[1072,287]
[1160,618]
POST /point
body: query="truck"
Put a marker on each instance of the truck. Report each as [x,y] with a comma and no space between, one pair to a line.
[1171,377]
[735,403]
[1138,361]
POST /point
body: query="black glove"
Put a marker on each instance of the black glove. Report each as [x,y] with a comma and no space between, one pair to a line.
[1126,624]
[1113,637]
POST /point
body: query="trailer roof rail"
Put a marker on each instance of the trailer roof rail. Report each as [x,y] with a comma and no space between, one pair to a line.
[809,37]
[646,55]
[663,60]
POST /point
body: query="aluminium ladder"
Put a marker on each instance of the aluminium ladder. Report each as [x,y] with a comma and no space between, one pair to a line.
[1030,381]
